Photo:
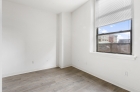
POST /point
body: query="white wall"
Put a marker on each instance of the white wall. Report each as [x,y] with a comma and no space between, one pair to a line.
[64,29]
[66,25]
[0,45]
[111,68]
[60,41]
[29,39]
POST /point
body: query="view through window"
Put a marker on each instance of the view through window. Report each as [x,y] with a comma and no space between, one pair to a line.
[115,38]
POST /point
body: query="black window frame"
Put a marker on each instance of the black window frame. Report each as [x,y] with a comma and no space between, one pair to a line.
[124,31]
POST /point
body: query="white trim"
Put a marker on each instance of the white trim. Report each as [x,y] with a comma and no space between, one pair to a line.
[92,23]
[133,19]
[65,66]
[118,56]
[95,27]
[112,55]
[107,80]
[27,71]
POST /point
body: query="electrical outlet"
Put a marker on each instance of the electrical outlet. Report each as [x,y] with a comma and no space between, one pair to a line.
[32,62]
[126,73]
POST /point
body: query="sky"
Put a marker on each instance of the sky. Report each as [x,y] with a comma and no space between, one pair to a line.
[121,26]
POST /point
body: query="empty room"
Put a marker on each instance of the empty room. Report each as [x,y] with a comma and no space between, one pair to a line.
[70,45]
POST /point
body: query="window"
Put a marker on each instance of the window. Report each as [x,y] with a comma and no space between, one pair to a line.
[114,26]
[119,38]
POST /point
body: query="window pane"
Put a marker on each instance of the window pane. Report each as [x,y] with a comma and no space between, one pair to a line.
[120,26]
[115,43]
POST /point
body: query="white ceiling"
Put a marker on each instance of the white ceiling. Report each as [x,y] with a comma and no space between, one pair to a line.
[55,6]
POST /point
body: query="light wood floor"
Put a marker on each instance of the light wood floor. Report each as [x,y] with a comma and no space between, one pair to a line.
[57,80]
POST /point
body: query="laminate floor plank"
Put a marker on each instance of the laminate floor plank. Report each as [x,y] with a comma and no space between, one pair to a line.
[57,80]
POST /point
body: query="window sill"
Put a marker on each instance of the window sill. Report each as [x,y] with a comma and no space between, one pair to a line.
[118,56]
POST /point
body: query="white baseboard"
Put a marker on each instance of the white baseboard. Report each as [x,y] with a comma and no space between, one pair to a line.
[27,71]
[117,84]
[33,70]
[65,66]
